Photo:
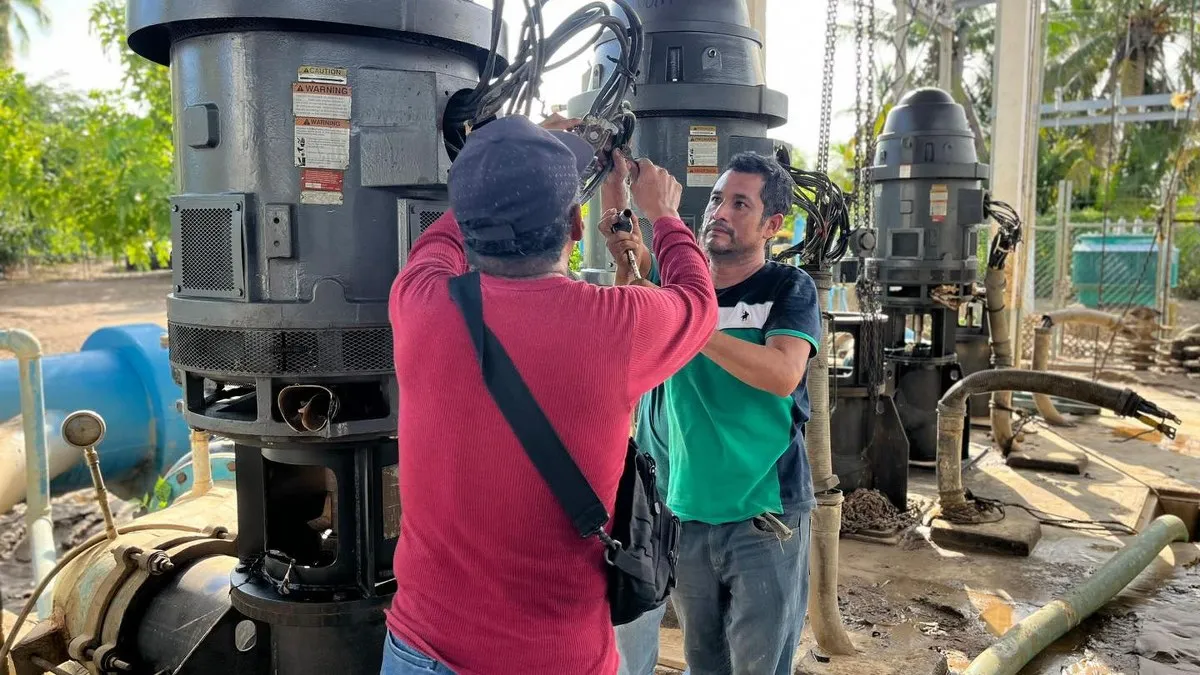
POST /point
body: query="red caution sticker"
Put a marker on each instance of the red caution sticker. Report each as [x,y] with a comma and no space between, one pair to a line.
[321,186]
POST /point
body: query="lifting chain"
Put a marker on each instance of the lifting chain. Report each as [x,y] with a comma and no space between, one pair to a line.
[864,111]
[827,87]
[867,290]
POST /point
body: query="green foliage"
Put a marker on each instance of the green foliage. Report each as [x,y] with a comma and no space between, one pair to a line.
[87,171]
[576,260]
[160,498]
[1095,47]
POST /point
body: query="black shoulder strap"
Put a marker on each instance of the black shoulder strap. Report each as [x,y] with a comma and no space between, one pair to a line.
[525,416]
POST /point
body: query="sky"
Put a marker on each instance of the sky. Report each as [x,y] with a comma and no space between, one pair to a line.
[68,54]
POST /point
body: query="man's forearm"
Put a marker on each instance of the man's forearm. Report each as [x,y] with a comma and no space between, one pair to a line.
[760,366]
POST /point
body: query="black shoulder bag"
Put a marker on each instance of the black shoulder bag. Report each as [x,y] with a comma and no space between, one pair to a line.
[642,549]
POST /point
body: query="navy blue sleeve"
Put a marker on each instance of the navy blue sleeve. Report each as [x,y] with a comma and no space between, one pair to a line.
[794,310]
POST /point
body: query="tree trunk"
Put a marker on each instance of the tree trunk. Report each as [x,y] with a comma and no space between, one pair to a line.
[6,48]
[959,92]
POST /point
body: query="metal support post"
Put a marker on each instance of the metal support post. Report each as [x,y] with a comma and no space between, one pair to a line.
[1166,239]
[1014,154]
[1062,253]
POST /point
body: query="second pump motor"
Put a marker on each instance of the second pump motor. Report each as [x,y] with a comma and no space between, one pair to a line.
[929,197]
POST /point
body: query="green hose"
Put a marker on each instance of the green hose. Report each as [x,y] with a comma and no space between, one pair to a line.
[1028,638]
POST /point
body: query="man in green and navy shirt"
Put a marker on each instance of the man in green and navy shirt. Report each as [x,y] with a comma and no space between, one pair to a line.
[728,432]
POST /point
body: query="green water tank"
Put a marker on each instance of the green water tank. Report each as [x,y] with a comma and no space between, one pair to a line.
[1128,275]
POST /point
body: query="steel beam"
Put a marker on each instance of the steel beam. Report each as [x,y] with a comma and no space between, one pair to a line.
[1121,118]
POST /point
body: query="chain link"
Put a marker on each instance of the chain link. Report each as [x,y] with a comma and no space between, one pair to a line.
[827,87]
[868,201]
[858,109]
[867,289]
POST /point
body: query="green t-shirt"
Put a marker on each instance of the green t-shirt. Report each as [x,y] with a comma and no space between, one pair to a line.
[732,451]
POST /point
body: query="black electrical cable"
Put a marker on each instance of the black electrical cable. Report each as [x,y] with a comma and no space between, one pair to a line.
[827,226]
[1008,232]
[609,121]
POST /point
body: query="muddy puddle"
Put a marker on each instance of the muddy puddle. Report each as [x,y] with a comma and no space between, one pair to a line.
[960,608]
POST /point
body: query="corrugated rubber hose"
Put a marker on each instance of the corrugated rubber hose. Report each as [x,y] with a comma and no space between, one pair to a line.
[826,522]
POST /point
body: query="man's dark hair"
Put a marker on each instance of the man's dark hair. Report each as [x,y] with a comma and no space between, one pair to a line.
[530,253]
[777,183]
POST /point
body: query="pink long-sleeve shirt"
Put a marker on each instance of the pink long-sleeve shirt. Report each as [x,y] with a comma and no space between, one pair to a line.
[491,576]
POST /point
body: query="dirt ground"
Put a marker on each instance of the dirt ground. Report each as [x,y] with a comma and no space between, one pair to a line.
[63,306]
[915,608]
[911,608]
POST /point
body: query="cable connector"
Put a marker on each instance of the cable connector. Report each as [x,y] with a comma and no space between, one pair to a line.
[1148,413]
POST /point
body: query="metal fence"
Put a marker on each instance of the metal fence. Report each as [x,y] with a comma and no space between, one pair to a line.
[1118,268]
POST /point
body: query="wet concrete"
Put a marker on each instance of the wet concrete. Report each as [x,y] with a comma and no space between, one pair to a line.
[904,601]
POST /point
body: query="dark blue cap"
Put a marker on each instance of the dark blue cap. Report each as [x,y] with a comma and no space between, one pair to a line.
[517,175]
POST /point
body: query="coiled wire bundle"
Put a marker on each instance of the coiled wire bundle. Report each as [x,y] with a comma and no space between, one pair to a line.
[1008,232]
[827,224]
[609,122]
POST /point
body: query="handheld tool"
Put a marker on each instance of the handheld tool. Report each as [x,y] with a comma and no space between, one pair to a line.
[625,224]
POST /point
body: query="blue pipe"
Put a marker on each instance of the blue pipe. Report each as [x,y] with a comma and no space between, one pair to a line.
[123,374]
[32,406]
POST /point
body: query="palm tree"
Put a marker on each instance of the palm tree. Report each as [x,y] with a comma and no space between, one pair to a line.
[1097,48]
[12,22]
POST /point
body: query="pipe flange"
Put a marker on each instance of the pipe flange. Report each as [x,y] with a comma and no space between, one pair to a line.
[180,552]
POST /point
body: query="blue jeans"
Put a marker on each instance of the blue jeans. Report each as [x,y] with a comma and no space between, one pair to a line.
[399,658]
[637,643]
[742,595]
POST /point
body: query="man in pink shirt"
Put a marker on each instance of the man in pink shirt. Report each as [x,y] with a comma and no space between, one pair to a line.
[491,575]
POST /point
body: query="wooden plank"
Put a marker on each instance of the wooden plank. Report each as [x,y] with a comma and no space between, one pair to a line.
[670,649]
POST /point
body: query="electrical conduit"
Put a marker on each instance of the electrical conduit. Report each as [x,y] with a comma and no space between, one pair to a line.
[1028,638]
[823,613]
[953,407]
[38,523]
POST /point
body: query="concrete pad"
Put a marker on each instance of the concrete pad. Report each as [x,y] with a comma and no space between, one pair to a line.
[1016,534]
[1058,460]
